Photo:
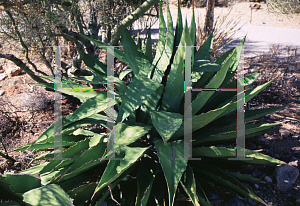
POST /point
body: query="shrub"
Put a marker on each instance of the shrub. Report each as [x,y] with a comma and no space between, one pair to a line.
[149,127]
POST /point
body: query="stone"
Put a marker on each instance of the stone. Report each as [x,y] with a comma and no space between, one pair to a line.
[284,133]
[17,164]
[256,173]
[1,92]
[286,175]
[296,150]
[12,90]
[256,186]
[3,76]
[14,71]
[293,163]
[268,179]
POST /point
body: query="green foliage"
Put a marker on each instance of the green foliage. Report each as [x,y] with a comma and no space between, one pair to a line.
[149,128]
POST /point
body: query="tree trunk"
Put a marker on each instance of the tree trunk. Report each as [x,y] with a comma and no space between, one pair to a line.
[209,17]
[130,19]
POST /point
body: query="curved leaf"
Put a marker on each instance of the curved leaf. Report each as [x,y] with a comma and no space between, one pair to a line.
[48,195]
[222,152]
[171,158]
[138,91]
[116,167]
[166,123]
[189,185]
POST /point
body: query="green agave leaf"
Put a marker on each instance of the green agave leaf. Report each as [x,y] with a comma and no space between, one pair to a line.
[138,91]
[21,183]
[129,132]
[202,200]
[222,152]
[47,145]
[91,107]
[48,134]
[220,177]
[47,194]
[235,62]
[149,105]
[83,193]
[189,185]
[70,88]
[93,153]
[193,38]
[93,64]
[171,158]
[219,97]
[35,169]
[231,133]
[193,30]
[204,51]
[117,53]
[139,43]
[124,73]
[174,89]
[161,38]
[166,123]
[242,177]
[137,60]
[7,193]
[170,35]
[107,192]
[205,66]
[164,60]
[77,181]
[249,94]
[230,120]
[86,166]
[179,28]
[120,85]
[145,177]
[79,147]
[148,52]
[248,80]
[10,203]
[222,59]
[115,168]
[215,82]
[199,121]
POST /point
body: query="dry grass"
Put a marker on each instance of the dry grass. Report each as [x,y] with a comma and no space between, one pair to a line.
[225,28]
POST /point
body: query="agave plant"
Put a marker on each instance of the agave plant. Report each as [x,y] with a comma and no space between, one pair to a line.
[148,136]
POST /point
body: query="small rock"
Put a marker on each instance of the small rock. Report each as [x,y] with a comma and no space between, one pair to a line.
[286,175]
[256,173]
[296,150]
[12,90]
[3,76]
[14,71]
[1,92]
[256,186]
[293,163]
[17,164]
[284,133]
[268,179]
[280,19]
